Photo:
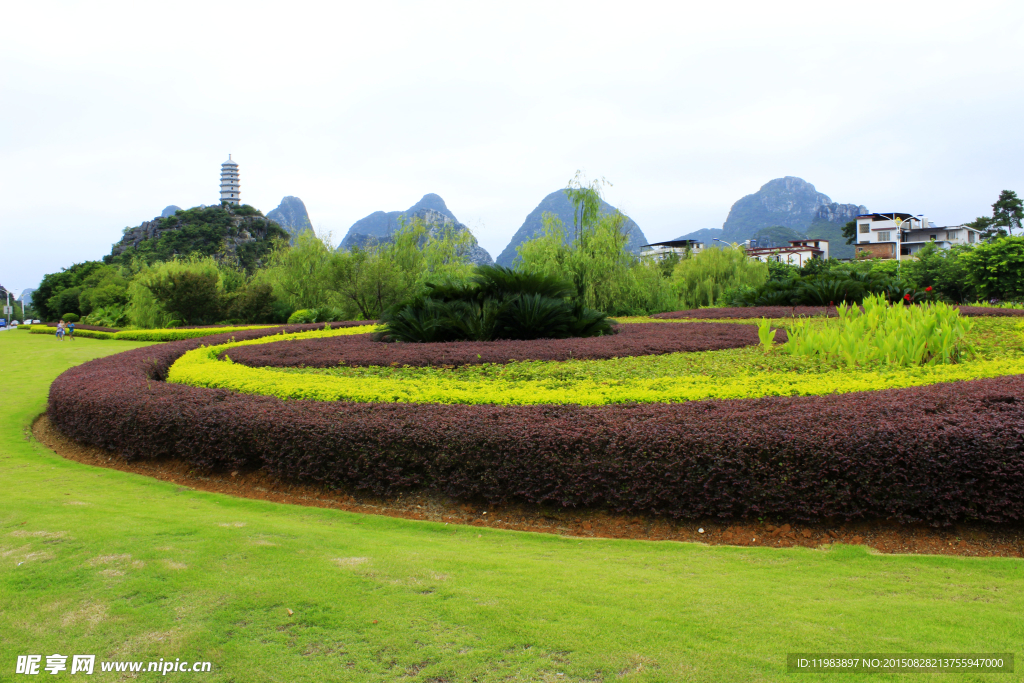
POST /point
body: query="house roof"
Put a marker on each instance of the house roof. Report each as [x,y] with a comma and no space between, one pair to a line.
[674,243]
[887,216]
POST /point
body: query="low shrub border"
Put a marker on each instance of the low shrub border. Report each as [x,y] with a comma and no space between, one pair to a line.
[78,327]
[938,454]
[746,313]
[636,339]
[179,333]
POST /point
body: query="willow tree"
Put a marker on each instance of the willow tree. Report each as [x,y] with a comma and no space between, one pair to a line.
[370,280]
[701,279]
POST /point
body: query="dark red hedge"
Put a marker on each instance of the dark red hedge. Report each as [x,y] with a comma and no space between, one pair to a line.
[940,454]
[745,313]
[641,339]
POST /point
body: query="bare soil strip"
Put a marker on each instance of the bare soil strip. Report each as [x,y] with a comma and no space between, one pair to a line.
[974,540]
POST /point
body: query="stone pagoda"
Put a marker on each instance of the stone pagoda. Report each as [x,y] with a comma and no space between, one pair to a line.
[229,193]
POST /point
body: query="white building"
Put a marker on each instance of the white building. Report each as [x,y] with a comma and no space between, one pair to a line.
[229,192]
[660,250]
[880,234]
[798,253]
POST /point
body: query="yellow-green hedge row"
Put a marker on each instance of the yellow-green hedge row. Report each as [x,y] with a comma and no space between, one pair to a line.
[158,335]
[200,367]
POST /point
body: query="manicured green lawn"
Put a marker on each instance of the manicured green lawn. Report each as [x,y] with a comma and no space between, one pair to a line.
[101,562]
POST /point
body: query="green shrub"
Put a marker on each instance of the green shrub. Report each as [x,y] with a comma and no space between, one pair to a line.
[303,316]
[996,269]
[70,317]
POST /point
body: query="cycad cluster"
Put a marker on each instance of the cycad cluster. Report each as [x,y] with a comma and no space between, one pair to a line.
[496,303]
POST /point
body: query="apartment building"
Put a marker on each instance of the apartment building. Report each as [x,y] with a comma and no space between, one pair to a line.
[902,235]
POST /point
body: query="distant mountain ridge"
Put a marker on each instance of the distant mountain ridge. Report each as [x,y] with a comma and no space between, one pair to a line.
[789,202]
[291,215]
[431,209]
[558,203]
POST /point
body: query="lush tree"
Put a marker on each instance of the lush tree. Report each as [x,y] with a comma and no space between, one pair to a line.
[703,279]
[1008,211]
[668,263]
[1007,216]
[68,301]
[54,283]
[777,270]
[817,266]
[996,269]
[105,287]
[603,274]
[943,270]
[370,280]
[850,232]
[586,204]
[189,290]
[253,303]
[301,275]
[190,296]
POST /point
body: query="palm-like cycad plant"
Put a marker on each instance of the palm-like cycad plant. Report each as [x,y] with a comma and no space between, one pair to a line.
[496,303]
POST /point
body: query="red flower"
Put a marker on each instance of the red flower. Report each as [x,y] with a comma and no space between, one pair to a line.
[907,297]
[927,289]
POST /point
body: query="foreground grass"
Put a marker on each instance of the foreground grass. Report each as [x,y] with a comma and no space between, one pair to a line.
[117,565]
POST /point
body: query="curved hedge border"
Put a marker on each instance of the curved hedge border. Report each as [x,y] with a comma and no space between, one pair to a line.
[940,454]
[635,339]
[178,333]
[576,382]
[746,313]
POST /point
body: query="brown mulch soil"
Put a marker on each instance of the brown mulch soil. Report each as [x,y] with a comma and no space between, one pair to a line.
[636,339]
[971,540]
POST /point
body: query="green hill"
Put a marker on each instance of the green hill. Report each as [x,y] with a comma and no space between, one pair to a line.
[240,234]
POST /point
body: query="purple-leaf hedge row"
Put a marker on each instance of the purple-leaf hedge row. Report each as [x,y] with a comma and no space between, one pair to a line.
[748,312]
[939,454]
[639,339]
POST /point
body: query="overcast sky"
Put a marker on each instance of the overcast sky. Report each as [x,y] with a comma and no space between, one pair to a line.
[111,111]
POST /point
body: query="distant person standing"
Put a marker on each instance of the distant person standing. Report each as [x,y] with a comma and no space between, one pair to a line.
[71,331]
[60,331]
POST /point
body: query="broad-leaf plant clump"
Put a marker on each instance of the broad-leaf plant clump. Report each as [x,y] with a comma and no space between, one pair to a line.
[495,303]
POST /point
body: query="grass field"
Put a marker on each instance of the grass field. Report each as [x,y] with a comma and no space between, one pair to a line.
[101,562]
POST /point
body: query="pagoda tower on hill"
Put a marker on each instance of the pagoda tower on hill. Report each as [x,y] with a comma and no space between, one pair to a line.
[229,183]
